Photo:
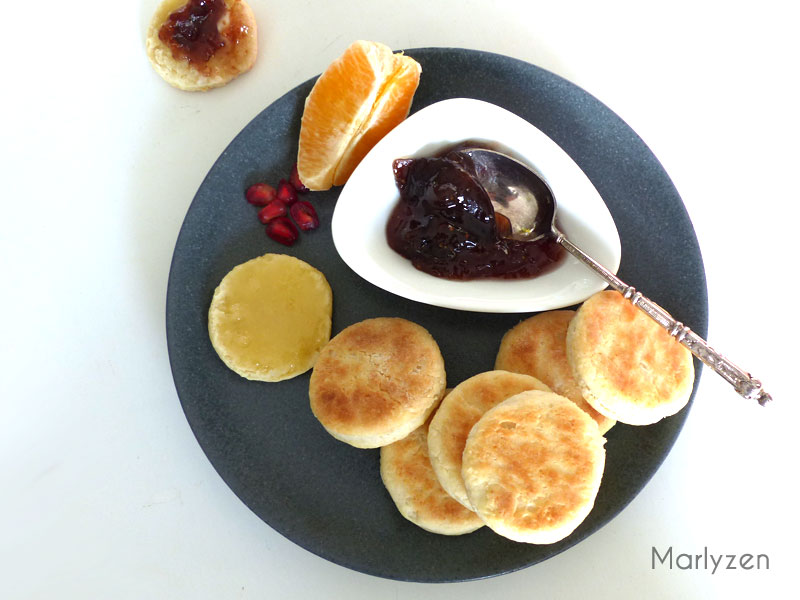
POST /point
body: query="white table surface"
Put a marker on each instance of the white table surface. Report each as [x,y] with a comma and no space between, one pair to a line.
[104,491]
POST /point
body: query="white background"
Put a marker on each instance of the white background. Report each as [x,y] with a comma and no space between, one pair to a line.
[104,492]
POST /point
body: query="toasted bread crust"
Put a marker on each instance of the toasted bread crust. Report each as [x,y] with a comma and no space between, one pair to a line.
[408,476]
[377,381]
[627,366]
[456,415]
[532,467]
[537,346]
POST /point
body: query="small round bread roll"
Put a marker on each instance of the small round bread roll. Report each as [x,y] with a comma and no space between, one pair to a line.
[377,381]
[408,476]
[533,466]
[628,367]
[196,45]
[537,346]
[456,415]
[270,317]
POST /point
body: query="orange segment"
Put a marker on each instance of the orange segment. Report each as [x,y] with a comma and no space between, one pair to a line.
[389,110]
[359,98]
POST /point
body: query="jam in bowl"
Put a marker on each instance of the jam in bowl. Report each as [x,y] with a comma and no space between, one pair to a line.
[446,224]
[367,202]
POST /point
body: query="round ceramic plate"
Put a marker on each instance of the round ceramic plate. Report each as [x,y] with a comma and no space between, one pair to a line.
[262,438]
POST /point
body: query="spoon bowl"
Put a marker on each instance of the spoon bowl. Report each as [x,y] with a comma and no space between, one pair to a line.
[516,192]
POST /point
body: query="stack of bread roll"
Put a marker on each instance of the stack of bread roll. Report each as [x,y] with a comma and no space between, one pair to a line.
[519,448]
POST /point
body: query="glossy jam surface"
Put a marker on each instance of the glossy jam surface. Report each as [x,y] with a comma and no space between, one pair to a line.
[193,30]
[446,226]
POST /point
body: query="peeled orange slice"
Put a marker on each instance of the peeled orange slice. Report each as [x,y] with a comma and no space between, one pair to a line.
[359,98]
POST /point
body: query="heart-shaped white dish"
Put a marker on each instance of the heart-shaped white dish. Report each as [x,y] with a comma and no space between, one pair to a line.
[366,201]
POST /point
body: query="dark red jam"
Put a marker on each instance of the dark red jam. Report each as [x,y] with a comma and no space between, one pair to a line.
[192,31]
[446,226]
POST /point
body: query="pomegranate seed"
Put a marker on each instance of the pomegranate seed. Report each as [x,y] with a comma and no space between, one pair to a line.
[304,215]
[286,193]
[281,230]
[273,210]
[294,179]
[260,194]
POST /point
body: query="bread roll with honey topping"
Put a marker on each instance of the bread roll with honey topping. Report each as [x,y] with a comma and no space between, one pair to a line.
[408,476]
[537,346]
[456,415]
[628,367]
[196,45]
[270,317]
[377,381]
[532,467]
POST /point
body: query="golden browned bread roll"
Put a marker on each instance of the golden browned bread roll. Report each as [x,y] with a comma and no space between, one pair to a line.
[408,476]
[196,45]
[456,415]
[377,381]
[537,346]
[628,367]
[532,467]
[270,317]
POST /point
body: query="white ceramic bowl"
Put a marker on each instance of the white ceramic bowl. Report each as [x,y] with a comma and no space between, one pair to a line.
[367,200]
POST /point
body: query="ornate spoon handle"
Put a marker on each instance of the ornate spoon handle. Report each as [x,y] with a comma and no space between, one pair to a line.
[742,381]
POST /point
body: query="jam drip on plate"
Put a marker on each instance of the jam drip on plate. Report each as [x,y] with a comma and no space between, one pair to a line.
[446,226]
[192,31]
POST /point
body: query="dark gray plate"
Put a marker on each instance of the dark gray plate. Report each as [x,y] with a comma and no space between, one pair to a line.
[262,438]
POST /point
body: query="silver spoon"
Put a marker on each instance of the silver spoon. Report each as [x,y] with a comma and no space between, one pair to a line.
[527,201]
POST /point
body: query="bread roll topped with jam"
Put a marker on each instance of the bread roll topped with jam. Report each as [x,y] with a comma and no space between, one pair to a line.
[196,45]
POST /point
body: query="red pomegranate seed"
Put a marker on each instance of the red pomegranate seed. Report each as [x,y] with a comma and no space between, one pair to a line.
[294,179]
[286,193]
[260,194]
[273,210]
[304,215]
[281,230]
